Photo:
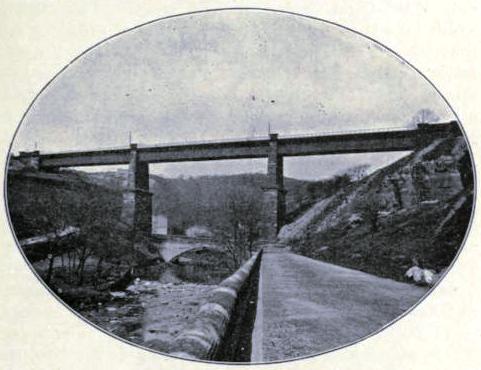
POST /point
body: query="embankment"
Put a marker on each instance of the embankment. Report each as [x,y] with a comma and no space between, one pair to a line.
[223,326]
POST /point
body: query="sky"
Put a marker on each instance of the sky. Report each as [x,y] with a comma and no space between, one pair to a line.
[229,74]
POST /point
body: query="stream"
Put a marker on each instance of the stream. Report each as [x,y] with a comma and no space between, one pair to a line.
[152,311]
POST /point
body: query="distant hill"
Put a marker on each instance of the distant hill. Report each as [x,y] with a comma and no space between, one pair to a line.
[185,202]
[415,211]
[196,200]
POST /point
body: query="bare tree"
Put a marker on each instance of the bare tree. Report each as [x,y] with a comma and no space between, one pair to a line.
[240,226]
[424,115]
[356,173]
[50,221]
[77,226]
[100,236]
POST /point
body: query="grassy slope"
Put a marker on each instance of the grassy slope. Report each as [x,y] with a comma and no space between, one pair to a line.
[404,236]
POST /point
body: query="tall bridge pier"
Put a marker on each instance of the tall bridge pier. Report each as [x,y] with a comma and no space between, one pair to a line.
[274,206]
[137,199]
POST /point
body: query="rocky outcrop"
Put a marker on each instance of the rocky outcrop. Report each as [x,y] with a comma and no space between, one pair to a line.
[421,276]
[427,177]
[419,207]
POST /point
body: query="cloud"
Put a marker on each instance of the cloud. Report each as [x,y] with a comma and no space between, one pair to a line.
[193,77]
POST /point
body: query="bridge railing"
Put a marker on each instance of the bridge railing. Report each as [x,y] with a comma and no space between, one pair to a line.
[230,140]
[166,144]
[349,132]
[246,139]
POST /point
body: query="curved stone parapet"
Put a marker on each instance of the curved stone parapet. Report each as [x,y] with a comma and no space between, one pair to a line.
[206,335]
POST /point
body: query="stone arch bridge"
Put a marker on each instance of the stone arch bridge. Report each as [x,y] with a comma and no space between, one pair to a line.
[174,246]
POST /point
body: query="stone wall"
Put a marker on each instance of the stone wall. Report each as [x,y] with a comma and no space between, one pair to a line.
[214,333]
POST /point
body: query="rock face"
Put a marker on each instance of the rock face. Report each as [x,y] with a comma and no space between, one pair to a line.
[424,178]
[418,207]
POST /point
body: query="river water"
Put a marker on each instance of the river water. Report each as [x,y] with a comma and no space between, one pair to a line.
[154,309]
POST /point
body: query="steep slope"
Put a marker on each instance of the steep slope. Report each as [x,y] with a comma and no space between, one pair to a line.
[42,202]
[414,212]
[296,229]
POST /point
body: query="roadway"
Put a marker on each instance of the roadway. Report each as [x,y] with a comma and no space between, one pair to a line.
[306,306]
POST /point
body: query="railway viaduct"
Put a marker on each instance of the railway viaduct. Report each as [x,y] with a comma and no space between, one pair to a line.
[137,203]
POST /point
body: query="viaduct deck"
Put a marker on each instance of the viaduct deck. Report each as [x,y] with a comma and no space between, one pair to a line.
[335,143]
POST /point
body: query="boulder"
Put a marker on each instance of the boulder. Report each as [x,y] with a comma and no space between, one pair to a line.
[118,294]
[421,276]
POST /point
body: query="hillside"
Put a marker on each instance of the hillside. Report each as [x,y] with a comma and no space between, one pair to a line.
[41,202]
[200,200]
[414,212]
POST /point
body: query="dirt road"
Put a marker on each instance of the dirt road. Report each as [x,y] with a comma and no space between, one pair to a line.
[307,306]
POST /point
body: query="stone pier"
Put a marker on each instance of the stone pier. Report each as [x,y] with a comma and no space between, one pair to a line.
[274,193]
[30,159]
[137,199]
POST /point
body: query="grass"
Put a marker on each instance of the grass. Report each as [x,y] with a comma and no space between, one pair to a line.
[403,239]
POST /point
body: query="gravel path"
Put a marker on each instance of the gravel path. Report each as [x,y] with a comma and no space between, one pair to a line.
[307,306]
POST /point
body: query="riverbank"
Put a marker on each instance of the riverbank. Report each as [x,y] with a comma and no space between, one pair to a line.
[150,313]
[160,303]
